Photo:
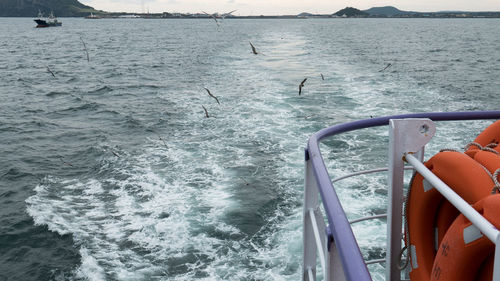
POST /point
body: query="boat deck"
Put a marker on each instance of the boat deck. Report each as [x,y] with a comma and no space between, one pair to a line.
[335,245]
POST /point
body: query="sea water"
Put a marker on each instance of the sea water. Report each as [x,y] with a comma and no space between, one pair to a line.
[110,169]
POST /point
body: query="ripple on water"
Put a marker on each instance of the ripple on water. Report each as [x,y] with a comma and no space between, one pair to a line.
[128,166]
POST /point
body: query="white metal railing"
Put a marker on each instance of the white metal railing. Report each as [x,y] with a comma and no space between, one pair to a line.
[366,172]
[368,218]
[407,139]
[318,228]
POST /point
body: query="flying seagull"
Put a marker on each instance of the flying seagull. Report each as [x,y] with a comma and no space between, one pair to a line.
[114,153]
[219,16]
[212,16]
[387,66]
[206,112]
[246,183]
[64,162]
[85,47]
[253,49]
[159,137]
[301,85]
[210,94]
[322,77]
[48,69]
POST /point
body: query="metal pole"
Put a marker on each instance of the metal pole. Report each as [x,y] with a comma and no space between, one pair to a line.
[310,202]
[317,238]
[405,135]
[395,200]
[496,263]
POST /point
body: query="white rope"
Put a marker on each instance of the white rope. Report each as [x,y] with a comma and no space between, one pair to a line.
[488,147]
[494,177]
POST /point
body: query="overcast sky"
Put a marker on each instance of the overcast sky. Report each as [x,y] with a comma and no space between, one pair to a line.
[282,7]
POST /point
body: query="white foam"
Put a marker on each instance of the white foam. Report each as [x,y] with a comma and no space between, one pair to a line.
[90,269]
[145,211]
[159,212]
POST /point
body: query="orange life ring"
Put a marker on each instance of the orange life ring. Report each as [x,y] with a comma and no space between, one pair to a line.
[465,253]
[447,212]
[422,216]
[489,160]
[490,135]
[445,216]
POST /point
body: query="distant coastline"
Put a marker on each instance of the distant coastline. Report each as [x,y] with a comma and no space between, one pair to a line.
[380,12]
[167,15]
[73,8]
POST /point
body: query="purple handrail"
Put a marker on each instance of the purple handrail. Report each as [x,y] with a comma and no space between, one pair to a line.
[354,266]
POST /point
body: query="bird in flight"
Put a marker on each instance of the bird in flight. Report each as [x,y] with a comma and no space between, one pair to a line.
[254,51]
[322,77]
[64,162]
[210,94]
[85,48]
[206,112]
[48,69]
[301,85]
[387,66]
[214,17]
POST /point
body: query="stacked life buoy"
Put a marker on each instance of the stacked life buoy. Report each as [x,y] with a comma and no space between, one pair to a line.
[433,225]
[465,247]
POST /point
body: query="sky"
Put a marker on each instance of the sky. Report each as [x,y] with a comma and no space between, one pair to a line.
[285,7]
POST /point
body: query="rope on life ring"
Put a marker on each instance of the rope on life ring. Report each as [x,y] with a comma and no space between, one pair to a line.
[491,163]
[465,253]
[486,140]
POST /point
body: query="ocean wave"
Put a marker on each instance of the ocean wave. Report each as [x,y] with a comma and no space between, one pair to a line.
[150,189]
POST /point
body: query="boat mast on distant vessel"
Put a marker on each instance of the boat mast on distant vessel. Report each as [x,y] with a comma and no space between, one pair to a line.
[51,20]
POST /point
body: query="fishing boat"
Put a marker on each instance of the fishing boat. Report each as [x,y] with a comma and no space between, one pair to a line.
[442,224]
[49,21]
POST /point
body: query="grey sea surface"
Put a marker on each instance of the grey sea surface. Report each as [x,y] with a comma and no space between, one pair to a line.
[111,171]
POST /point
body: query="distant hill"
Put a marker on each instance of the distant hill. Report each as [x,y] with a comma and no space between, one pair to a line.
[385,11]
[30,8]
[350,12]
[305,14]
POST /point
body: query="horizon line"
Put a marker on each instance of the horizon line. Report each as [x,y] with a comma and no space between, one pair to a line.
[304,12]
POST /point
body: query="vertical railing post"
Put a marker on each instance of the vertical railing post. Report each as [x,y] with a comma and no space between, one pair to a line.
[405,135]
[496,262]
[335,271]
[310,202]
[395,198]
